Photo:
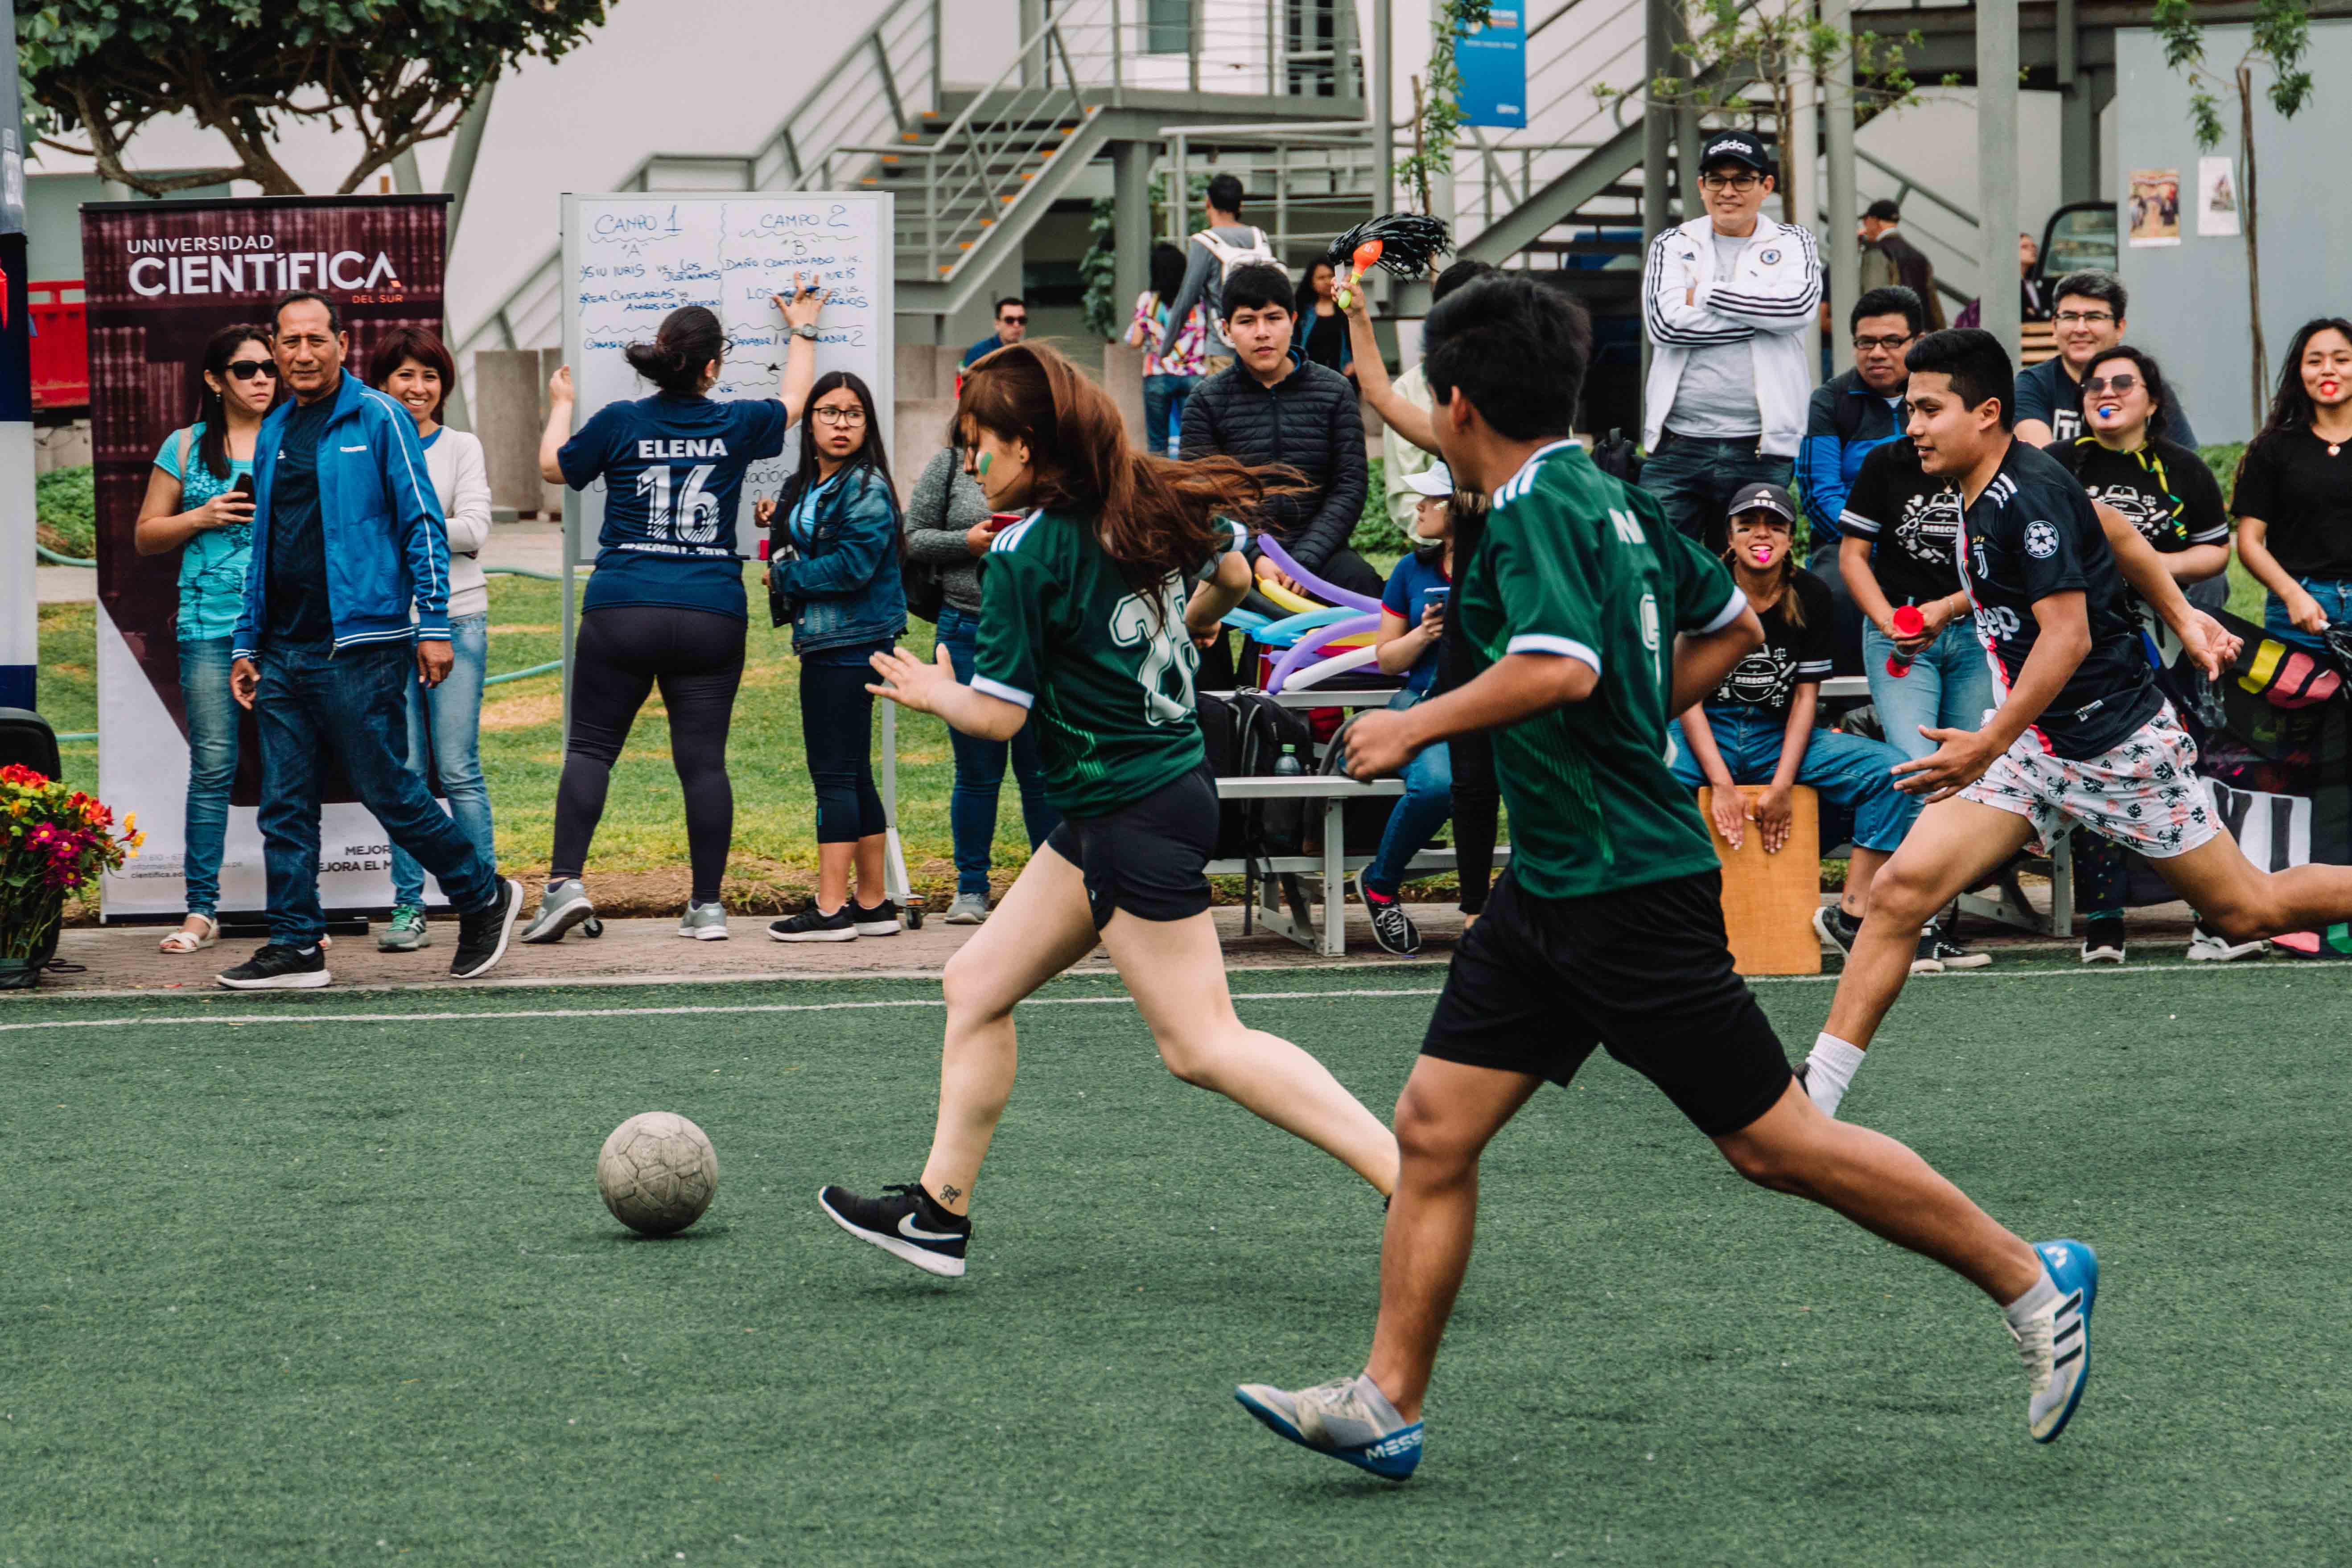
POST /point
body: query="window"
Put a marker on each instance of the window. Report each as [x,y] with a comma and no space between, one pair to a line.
[1168,26]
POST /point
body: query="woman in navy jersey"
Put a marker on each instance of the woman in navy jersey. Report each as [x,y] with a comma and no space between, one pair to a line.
[665,604]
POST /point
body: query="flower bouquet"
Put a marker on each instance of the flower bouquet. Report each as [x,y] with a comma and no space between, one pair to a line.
[53,842]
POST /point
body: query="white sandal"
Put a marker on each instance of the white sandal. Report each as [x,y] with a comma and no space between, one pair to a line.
[186,941]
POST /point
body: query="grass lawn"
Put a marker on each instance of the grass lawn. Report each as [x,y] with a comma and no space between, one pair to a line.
[335,1286]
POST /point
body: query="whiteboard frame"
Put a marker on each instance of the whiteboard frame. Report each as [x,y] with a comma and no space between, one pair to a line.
[885,288]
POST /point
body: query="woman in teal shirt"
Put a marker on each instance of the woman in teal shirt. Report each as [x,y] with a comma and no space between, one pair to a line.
[193,506]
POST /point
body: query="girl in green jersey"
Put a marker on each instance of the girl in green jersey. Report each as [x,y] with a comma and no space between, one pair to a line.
[1093,606]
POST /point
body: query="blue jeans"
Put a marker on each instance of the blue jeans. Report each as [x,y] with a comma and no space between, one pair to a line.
[1428,800]
[1164,397]
[1695,480]
[1949,686]
[448,719]
[314,703]
[1854,775]
[980,764]
[212,764]
[2334,596]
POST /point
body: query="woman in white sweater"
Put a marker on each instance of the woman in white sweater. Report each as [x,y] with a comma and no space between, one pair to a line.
[412,367]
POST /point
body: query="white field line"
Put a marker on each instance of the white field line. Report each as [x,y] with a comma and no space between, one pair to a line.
[487,1015]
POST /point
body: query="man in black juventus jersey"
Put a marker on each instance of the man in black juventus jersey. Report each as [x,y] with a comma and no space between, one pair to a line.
[2081,738]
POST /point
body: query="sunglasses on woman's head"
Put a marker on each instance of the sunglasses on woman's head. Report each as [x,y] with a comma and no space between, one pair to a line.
[246,369]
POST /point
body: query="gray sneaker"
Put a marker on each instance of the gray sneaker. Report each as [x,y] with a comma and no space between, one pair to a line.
[408,932]
[1350,1420]
[703,922]
[561,906]
[969,910]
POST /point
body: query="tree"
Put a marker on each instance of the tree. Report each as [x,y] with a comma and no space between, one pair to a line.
[398,74]
[2281,34]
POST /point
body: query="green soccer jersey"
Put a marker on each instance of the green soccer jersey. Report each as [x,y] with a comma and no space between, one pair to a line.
[1105,671]
[1576,564]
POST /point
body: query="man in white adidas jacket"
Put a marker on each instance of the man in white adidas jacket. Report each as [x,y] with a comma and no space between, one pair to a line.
[1727,298]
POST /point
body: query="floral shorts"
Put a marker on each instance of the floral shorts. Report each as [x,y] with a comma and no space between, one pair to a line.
[2144,794]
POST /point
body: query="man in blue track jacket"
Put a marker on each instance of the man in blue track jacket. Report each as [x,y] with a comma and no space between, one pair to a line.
[348,539]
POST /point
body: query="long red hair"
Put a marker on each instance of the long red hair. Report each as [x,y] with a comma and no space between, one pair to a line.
[1156,517]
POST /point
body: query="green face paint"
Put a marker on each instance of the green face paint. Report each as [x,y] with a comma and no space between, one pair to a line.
[980,467]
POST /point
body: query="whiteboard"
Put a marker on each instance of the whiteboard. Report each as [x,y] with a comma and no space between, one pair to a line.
[631,258]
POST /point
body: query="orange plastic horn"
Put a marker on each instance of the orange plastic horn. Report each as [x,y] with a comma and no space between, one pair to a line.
[1367,257]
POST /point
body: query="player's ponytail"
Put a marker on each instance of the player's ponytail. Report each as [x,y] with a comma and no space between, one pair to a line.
[1156,517]
[688,339]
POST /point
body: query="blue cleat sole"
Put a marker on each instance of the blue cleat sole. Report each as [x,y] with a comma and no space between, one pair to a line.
[1394,1459]
[2079,1271]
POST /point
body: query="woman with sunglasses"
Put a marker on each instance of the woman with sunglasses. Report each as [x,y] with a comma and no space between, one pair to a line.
[200,503]
[665,604]
[2126,459]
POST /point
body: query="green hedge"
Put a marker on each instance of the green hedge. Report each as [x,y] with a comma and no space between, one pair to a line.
[65,508]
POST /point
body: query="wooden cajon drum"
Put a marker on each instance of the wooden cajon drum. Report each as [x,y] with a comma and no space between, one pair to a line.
[1768,899]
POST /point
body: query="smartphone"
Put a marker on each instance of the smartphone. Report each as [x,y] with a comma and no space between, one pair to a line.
[1434,598]
[998,522]
[243,485]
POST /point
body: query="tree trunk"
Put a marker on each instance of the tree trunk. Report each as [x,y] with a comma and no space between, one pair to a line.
[2261,360]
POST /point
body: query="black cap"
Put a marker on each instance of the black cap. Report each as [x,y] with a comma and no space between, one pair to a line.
[1735,147]
[1764,497]
[1884,211]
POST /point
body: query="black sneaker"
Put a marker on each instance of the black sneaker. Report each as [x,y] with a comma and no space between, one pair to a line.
[905,1223]
[1391,927]
[2102,940]
[874,920]
[277,968]
[812,925]
[482,935]
[1837,928]
[1952,956]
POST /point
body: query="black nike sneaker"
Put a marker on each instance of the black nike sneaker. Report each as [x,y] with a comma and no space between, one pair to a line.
[904,1221]
[874,920]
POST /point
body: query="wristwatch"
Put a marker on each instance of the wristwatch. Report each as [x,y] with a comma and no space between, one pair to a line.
[805,330]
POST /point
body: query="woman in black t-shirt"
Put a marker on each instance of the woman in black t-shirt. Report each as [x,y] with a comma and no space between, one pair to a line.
[1757,726]
[2293,498]
[2126,461]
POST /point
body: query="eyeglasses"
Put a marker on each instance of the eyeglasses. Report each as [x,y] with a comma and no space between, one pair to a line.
[246,369]
[1730,181]
[2082,318]
[2118,384]
[1890,341]
[841,417]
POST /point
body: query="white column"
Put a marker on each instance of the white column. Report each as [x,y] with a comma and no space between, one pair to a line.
[1838,246]
[1997,168]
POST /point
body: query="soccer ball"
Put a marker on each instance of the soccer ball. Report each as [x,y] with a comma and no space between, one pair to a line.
[658,1173]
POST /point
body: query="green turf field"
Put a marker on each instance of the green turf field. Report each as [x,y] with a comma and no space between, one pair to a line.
[334,1285]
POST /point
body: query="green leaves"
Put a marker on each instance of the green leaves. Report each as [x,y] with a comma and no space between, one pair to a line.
[399,72]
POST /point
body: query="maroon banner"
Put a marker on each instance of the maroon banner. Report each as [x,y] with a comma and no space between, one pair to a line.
[160,279]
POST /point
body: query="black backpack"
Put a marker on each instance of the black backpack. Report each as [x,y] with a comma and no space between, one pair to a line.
[1248,736]
[1618,457]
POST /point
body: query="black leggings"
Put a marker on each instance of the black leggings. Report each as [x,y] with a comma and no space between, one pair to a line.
[836,733]
[696,657]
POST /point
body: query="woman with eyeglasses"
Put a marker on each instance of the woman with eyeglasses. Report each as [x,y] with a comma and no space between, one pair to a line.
[200,502]
[2126,459]
[665,604]
[835,574]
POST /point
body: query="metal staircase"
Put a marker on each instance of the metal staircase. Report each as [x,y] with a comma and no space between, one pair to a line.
[973,168]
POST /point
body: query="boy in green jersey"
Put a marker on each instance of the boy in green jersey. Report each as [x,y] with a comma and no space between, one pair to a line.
[1598,623]
[1092,608]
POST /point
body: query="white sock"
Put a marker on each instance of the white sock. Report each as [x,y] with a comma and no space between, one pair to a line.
[2040,1299]
[1830,1071]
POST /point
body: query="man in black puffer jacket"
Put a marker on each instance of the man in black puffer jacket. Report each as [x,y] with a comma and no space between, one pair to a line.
[1268,408]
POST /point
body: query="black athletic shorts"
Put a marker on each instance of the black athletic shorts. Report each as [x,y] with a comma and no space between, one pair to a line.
[1645,973]
[1149,857]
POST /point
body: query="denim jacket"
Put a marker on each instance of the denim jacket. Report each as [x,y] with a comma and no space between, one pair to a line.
[843,576]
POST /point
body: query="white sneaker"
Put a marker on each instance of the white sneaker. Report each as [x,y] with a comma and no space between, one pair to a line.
[2055,1345]
[2204,947]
